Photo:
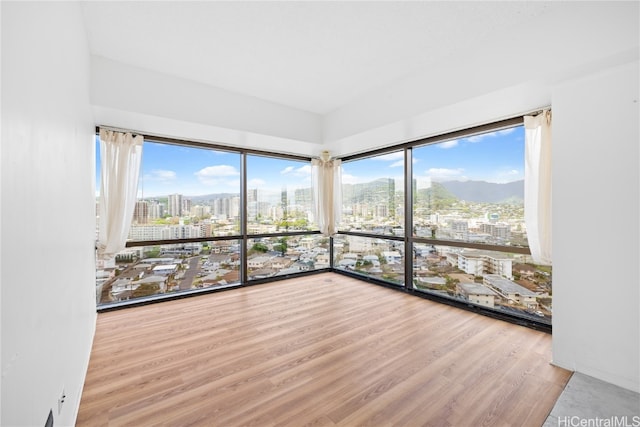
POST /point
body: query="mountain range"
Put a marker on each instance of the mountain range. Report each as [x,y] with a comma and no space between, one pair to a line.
[444,192]
[486,192]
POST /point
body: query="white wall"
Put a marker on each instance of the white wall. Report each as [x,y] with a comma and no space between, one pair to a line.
[596,325]
[571,35]
[164,104]
[501,104]
[48,205]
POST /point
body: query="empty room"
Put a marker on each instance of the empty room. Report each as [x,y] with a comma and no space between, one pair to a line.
[331,213]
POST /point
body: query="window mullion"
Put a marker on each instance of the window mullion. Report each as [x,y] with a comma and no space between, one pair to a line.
[408,218]
[243,218]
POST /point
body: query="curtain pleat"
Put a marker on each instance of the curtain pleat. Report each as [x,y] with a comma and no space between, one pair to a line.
[537,186]
[120,155]
[326,178]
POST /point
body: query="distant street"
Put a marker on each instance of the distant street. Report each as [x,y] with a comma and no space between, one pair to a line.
[190,274]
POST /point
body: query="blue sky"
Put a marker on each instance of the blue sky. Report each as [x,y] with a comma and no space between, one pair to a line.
[493,157]
[166,169]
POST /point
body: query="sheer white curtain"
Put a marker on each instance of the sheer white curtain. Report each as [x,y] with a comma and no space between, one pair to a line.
[120,157]
[537,185]
[326,180]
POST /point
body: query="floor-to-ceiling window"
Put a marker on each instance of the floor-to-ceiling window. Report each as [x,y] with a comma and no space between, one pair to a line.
[208,217]
[442,218]
[469,231]
[464,209]
[281,227]
[371,242]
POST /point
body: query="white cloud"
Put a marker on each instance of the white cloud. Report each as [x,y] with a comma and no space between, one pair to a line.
[217,171]
[505,175]
[216,175]
[444,174]
[448,144]
[302,171]
[478,138]
[506,131]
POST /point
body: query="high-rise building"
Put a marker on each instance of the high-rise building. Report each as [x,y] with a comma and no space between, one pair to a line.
[186,206]
[156,209]
[252,204]
[175,204]
[141,212]
[303,197]
[252,195]
[234,207]
[284,202]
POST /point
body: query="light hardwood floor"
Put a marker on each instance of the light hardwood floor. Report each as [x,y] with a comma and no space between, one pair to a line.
[319,350]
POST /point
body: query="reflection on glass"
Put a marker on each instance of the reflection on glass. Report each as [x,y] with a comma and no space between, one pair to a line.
[148,271]
[373,195]
[279,195]
[374,257]
[471,189]
[281,256]
[501,281]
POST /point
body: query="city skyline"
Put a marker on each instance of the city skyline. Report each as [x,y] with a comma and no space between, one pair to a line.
[173,169]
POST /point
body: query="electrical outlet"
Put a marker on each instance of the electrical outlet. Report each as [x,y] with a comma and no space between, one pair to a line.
[63,396]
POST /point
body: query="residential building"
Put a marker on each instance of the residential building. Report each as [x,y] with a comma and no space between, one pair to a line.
[175,204]
[477,294]
[141,212]
[481,262]
[511,292]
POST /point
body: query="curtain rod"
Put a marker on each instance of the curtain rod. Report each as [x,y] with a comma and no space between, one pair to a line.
[115,129]
[206,145]
[537,111]
[459,133]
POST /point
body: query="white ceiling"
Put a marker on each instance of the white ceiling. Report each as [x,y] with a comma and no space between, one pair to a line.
[311,56]
[347,76]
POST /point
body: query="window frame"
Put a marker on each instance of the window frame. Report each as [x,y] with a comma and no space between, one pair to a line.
[408,239]
[242,237]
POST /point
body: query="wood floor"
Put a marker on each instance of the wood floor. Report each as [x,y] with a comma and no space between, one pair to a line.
[319,350]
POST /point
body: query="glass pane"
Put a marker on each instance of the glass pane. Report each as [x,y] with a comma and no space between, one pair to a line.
[372,257]
[184,192]
[279,256]
[501,281]
[373,195]
[471,189]
[279,196]
[150,271]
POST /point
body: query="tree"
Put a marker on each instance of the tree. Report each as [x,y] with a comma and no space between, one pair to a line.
[451,282]
[153,253]
[300,223]
[144,290]
[281,246]
[259,247]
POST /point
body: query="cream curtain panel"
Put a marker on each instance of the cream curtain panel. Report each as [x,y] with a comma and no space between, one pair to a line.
[326,178]
[537,185]
[120,158]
